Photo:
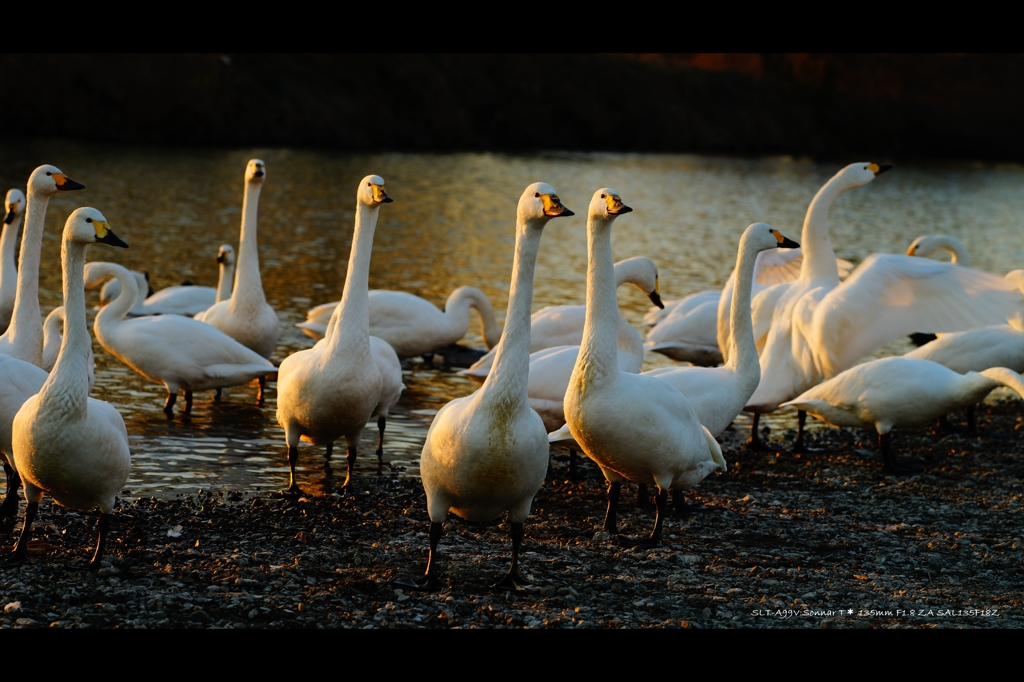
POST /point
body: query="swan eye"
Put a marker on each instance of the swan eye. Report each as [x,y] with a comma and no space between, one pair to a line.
[49,173]
[369,184]
[88,220]
[536,195]
[602,196]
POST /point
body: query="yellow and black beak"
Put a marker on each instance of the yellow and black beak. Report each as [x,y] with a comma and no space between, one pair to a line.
[64,183]
[553,207]
[912,251]
[380,196]
[878,170]
[222,258]
[615,205]
[785,242]
[259,172]
[11,215]
[655,296]
[104,235]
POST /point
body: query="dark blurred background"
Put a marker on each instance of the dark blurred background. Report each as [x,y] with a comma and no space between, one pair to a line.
[819,105]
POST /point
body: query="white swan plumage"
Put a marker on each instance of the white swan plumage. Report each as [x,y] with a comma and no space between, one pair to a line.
[176,351]
[926,245]
[246,317]
[14,209]
[52,339]
[331,390]
[66,444]
[899,392]
[633,426]
[718,394]
[23,338]
[487,452]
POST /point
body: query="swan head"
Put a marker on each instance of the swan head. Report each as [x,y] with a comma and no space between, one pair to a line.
[606,204]
[371,191]
[255,171]
[540,202]
[762,236]
[226,255]
[48,180]
[14,205]
[642,273]
[926,245]
[88,226]
[861,173]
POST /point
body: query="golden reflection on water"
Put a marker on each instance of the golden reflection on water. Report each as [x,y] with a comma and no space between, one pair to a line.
[451,224]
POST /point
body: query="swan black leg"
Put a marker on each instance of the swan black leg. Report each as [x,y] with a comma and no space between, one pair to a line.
[172,397]
[263,390]
[972,420]
[293,457]
[801,419]
[9,508]
[512,579]
[679,504]
[20,554]
[104,526]
[643,497]
[429,580]
[575,472]
[610,525]
[381,423]
[655,539]
[755,439]
[351,465]
[889,464]
[216,395]
[188,402]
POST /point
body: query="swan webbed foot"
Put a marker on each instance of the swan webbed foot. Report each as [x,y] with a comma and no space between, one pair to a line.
[428,583]
[679,504]
[20,554]
[644,543]
[292,491]
[14,560]
[515,583]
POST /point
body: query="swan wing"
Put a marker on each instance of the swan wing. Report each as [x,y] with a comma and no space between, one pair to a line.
[321,314]
[778,266]
[889,296]
[180,300]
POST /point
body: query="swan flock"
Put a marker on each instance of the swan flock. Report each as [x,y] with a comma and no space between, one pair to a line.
[791,328]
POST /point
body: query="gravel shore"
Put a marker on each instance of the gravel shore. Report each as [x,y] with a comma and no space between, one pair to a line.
[820,540]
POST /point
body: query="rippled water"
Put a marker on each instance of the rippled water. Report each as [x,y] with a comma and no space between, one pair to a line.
[452,223]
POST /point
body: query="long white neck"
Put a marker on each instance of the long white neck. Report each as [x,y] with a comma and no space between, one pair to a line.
[456,309]
[8,242]
[227,274]
[26,330]
[598,354]
[349,328]
[742,349]
[955,248]
[510,373]
[819,259]
[68,383]
[1005,377]
[114,312]
[247,296]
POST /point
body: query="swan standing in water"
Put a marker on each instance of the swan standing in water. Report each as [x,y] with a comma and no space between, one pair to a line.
[24,337]
[176,351]
[562,325]
[14,209]
[412,325]
[633,426]
[331,390]
[246,317]
[488,452]
[820,327]
[65,443]
[899,392]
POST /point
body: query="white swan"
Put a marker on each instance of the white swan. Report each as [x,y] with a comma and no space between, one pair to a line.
[52,340]
[999,345]
[488,452]
[176,351]
[926,245]
[898,392]
[14,209]
[718,394]
[412,325]
[821,327]
[24,337]
[562,325]
[635,427]
[65,443]
[331,390]
[112,289]
[19,381]
[246,317]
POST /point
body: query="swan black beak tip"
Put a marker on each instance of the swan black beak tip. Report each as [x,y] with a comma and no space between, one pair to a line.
[788,243]
[656,299]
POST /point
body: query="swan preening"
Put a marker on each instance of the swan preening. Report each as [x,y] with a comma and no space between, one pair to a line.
[633,426]
[488,452]
[331,390]
[412,325]
[65,443]
[14,209]
[897,392]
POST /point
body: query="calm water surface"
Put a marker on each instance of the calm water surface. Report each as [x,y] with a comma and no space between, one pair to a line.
[452,223]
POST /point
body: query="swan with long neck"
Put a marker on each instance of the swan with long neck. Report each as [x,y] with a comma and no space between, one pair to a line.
[14,209]
[331,390]
[246,317]
[177,351]
[412,325]
[718,394]
[561,326]
[24,337]
[65,443]
[52,339]
[633,426]
[488,452]
[927,245]
[899,392]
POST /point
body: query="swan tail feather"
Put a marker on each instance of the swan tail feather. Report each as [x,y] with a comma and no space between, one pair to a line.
[716,449]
